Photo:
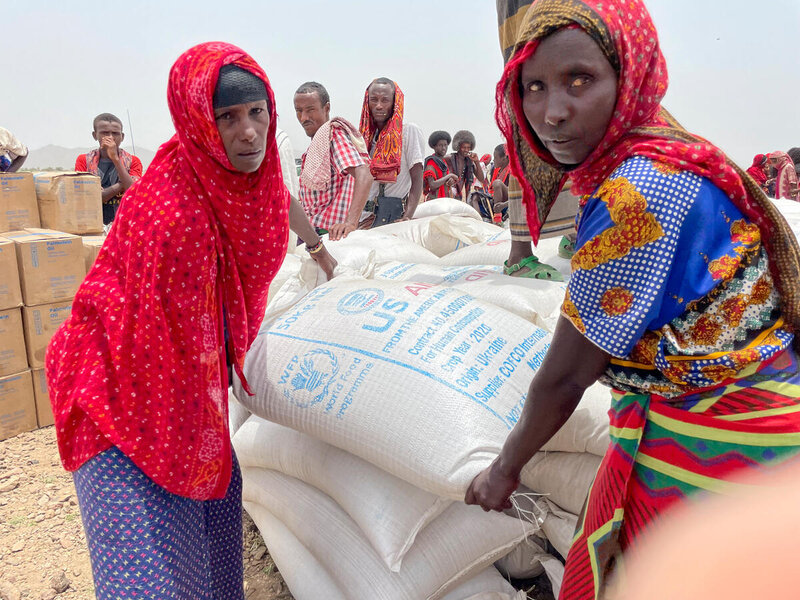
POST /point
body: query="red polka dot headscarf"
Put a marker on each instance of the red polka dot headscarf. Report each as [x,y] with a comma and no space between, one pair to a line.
[626,34]
[140,364]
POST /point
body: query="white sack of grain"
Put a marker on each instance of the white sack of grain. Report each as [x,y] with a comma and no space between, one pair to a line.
[559,527]
[237,413]
[534,300]
[529,559]
[360,249]
[389,511]
[306,577]
[445,206]
[456,546]
[486,585]
[587,428]
[424,382]
[442,234]
[523,562]
[563,477]
[791,212]
[495,251]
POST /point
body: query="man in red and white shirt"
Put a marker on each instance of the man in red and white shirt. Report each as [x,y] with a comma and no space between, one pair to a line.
[335,177]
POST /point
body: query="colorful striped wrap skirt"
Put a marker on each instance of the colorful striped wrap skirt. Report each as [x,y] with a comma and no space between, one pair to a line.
[663,451]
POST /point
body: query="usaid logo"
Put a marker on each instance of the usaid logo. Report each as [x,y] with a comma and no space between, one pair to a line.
[360,301]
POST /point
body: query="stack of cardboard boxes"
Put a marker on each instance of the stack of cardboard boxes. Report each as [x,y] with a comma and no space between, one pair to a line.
[40,271]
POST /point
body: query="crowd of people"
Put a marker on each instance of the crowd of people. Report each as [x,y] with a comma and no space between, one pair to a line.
[777,173]
[684,296]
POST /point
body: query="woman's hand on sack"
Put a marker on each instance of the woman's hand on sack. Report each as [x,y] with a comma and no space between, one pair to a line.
[492,488]
[339,231]
[326,262]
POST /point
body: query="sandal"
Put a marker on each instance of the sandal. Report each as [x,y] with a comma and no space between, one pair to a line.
[566,248]
[536,270]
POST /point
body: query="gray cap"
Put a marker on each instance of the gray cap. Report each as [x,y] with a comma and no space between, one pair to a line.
[238,86]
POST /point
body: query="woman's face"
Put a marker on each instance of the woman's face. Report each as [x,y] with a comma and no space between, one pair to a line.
[569,90]
[440,147]
[243,129]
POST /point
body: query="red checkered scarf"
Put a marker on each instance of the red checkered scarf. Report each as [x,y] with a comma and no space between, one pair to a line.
[140,362]
[385,160]
[316,173]
[627,36]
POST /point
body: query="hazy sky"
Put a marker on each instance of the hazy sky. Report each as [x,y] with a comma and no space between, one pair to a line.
[733,68]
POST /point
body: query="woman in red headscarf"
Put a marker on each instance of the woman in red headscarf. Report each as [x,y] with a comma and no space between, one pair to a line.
[138,375]
[758,170]
[684,296]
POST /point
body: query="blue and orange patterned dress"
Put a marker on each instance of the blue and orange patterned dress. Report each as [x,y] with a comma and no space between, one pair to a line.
[672,281]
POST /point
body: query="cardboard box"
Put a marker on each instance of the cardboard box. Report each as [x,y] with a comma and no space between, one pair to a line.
[17,404]
[41,323]
[91,247]
[51,265]
[44,411]
[10,292]
[12,343]
[18,207]
[70,202]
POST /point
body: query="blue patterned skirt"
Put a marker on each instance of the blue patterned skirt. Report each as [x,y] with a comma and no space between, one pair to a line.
[145,542]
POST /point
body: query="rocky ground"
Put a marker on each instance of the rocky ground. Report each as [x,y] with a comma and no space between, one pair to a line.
[43,554]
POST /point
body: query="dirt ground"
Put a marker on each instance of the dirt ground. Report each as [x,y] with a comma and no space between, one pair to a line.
[43,552]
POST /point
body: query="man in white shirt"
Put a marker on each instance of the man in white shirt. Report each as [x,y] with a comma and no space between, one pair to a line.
[397,153]
[289,172]
[288,165]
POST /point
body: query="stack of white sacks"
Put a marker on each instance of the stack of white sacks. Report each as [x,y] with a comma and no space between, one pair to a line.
[380,395]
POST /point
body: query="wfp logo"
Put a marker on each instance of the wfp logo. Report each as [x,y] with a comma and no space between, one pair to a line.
[307,380]
[360,301]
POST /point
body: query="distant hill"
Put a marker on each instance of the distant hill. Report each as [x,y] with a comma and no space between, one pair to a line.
[58,157]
